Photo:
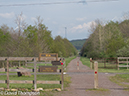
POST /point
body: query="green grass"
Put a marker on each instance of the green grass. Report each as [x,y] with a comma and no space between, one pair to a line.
[121,79]
[86,62]
[113,70]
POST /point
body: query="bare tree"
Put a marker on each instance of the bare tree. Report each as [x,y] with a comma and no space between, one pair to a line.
[126,16]
[21,24]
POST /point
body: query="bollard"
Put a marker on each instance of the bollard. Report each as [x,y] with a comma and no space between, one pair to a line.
[78,65]
[95,75]
[90,63]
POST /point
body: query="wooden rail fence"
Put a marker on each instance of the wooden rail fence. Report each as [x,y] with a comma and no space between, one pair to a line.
[123,60]
[118,62]
[34,61]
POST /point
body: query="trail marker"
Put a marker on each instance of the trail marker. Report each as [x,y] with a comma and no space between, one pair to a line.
[78,65]
[95,75]
[91,63]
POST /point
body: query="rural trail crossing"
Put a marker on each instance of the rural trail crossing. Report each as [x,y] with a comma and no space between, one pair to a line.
[81,83]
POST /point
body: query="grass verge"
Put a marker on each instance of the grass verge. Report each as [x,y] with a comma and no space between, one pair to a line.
[98,89]
[121,79]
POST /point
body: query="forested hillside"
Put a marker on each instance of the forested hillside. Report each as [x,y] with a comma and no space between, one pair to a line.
[30,40]
[110,40]
[78,44]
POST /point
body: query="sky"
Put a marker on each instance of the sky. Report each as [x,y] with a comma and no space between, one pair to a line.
[70,16]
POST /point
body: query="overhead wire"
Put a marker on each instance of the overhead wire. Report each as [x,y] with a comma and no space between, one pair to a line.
[52,3]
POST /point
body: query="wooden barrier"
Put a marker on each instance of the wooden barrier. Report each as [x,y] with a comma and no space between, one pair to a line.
[34,82]
[122,60]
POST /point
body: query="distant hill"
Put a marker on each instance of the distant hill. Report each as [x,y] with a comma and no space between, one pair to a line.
[78,44]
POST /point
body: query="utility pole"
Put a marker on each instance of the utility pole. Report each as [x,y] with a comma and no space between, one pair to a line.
[65,32]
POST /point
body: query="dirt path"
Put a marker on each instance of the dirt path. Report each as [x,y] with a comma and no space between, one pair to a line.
[83,79]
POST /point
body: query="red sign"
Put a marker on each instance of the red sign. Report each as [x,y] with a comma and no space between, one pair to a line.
[61,63]
[95,72]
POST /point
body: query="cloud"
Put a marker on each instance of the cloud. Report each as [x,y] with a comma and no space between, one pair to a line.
[54,22]
[81,19]
[7,15]
[84,26]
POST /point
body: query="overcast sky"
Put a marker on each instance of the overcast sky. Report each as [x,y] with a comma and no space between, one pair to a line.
[77,17]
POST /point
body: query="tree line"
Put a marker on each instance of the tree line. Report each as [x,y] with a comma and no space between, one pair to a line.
[107,40]
[29,41]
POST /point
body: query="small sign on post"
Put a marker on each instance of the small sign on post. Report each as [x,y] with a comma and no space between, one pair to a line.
[46,56]
[95,74]
[56,63]
[48,68]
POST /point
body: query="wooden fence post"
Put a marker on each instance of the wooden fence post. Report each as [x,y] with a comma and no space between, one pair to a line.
[62,77]
[19,64]
[127,63]
[91,63]
[7,62]
[118,63]
[25,63]
[104,63]
[35,77]
[95,74]
[56,56]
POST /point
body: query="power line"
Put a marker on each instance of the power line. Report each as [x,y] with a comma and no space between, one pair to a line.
[52,3]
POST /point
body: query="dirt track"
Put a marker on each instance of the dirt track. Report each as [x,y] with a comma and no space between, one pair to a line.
[83,79]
